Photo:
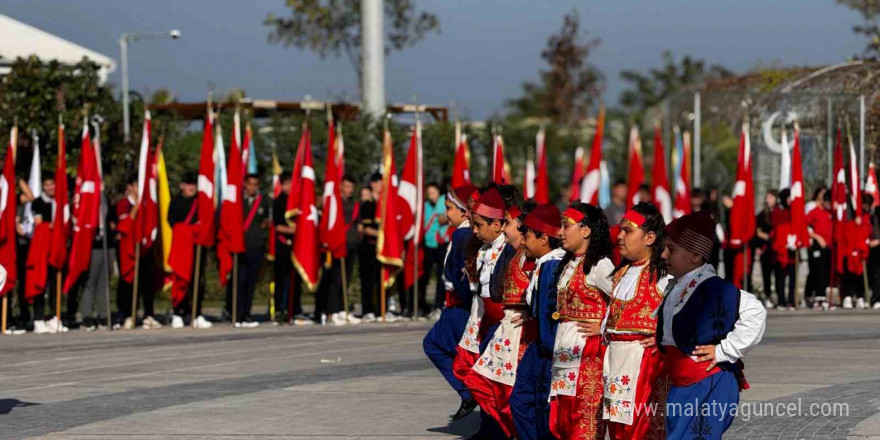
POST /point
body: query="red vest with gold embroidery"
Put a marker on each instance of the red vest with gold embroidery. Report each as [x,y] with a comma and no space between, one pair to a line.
[637,314]
[516,281]
[579,301]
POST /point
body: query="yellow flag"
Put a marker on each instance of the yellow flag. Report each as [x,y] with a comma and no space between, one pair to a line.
[164,202]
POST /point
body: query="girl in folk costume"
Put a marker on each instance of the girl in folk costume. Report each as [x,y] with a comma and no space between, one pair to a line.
[635,378]
[529,402]
[492,377]
[441,342]
[704,327]
[582,293]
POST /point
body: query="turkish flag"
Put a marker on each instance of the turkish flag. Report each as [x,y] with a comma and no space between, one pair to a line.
[871,185]
[683,176]
[333,227]
[855,193]
[743,210]
[798,201]
[389,248]
[305,142]
[577,174]
[230,237]
[305,241]
[500,173]
[86,211]
[61,226]
[146,221]
[636,169]
[8,257]
[662,198]
[838,185]
[411,204]
[589,192]
[529,180]
[461,174]
[204,232]
[542,183]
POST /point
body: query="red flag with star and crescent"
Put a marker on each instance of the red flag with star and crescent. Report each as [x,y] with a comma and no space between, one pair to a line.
[636,173]
[8,257]
[61,226]
[305,240]
[798,202]
[461,174]
[661,196]
[204,231]
[389,248]
[86,212]
[589,190]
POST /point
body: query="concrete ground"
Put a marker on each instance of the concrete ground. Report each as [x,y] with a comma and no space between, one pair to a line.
[368,381]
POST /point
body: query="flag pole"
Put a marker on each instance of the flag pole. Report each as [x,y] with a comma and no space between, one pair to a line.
[102,203]
[57,297]
[344,289]
[134,290]
[234,288]
[5,304]
[382,293]
[289,297]
[417,220]
[195,289]
[864,279]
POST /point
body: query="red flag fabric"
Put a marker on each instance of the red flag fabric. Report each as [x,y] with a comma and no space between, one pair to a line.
[577,173]
[146,221]
[411,203]
[528,186]
[871,185]
[389,248]
[838,186]
[230,237]
[204,231]
[589,192]
[636,169]
[798,201]
[855,193]
[542,182]
[683,180]
[8,257]
[461,174]
[37,264]
[742,230]
[500,173]
[88,184]
[61,226]
[305,241]
[305,141]
[333,227]
[661,196]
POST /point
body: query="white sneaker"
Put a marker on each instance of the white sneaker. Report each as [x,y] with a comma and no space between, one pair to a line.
[55,326]
[176,321]
[390,317]
[338,319]
[847,303]
[16,331]
[435,315]
[369,317]
[860,303]
[128,324]
[768,304]
[354,321]
[202,323]
[40,327]
[151,324]
[877,305]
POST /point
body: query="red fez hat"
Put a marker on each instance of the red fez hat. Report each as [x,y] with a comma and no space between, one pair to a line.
[491,205]
[544,218]
[459,196]
[514,211]
[693,232]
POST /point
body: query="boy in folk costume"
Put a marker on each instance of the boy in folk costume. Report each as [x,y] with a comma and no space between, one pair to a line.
[704,327]
[635,377]
[582,293]
[493,375]
[441,342]
[529,401]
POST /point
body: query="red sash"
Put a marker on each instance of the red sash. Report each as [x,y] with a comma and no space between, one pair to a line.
[683,370]
[254,208]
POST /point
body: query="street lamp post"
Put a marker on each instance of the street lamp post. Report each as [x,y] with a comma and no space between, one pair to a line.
[124,39]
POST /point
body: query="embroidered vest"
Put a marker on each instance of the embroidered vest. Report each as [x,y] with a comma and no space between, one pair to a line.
[579,301]
[635,315]
[516,280]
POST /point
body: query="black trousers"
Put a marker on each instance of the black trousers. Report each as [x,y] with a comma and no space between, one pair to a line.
[820,271]
[249,264]
[369,272]
[783,272]
[146,289]
[184,309]
[286,278]
[51,294]
[434,259]
[874,274]
[853,285]
[329,296]
[768,266]
[24,311]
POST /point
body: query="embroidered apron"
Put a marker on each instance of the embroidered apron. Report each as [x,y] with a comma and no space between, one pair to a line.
[470,340]
[567,352]
[501,358]
[620,373]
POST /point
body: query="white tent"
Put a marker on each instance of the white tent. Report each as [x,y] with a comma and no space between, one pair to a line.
[21,40]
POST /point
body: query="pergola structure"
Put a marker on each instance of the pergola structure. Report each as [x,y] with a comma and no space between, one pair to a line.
[264,108]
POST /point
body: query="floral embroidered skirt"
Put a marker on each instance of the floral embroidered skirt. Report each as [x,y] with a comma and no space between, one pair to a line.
[579,416]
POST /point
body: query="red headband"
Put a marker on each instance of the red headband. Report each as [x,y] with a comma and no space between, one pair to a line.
[634,218]
[573,214]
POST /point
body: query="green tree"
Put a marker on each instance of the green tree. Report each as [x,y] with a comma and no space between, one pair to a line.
[333,27]
[870,28]
[569,88]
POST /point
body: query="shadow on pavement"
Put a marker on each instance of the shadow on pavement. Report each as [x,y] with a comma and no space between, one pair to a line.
[464,428]
[6,405]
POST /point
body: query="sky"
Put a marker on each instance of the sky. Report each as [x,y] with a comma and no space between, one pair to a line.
[485,51]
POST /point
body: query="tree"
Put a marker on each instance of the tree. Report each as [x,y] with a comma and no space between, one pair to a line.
[649,90]
[333,27]
[870,12]
[569,88]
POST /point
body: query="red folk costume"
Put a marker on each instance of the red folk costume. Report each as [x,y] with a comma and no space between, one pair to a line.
[479,268]
[576,385]
[635,379]
[493,375]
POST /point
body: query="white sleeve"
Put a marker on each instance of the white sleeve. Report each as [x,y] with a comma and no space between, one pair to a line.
[747,332]
[2,277]
[602,275]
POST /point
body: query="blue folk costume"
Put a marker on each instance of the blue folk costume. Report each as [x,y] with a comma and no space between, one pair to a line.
[442,340]
[529,400]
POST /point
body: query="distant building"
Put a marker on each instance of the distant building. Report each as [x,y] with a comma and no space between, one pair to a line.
[19,40]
